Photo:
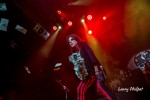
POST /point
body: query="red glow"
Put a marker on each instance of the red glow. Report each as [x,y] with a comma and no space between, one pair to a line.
[90,32]
[70,23]
[89,17]
[104,18]
[54,28]
[59,12]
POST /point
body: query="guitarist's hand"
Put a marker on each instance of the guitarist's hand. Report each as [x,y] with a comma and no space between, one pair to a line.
[99,74]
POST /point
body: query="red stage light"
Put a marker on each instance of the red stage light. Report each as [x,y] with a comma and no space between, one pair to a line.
[89,17]
[69,23]
[104,17]
[59,11]
[54,28]
[90,32]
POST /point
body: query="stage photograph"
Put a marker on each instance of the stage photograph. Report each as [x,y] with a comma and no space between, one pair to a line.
[74,49]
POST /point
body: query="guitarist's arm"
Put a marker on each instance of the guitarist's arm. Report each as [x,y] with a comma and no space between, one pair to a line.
[99,73]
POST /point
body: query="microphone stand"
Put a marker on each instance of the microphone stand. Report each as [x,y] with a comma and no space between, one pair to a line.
[64,87]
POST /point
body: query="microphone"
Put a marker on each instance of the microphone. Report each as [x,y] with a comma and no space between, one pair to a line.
[64,87]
